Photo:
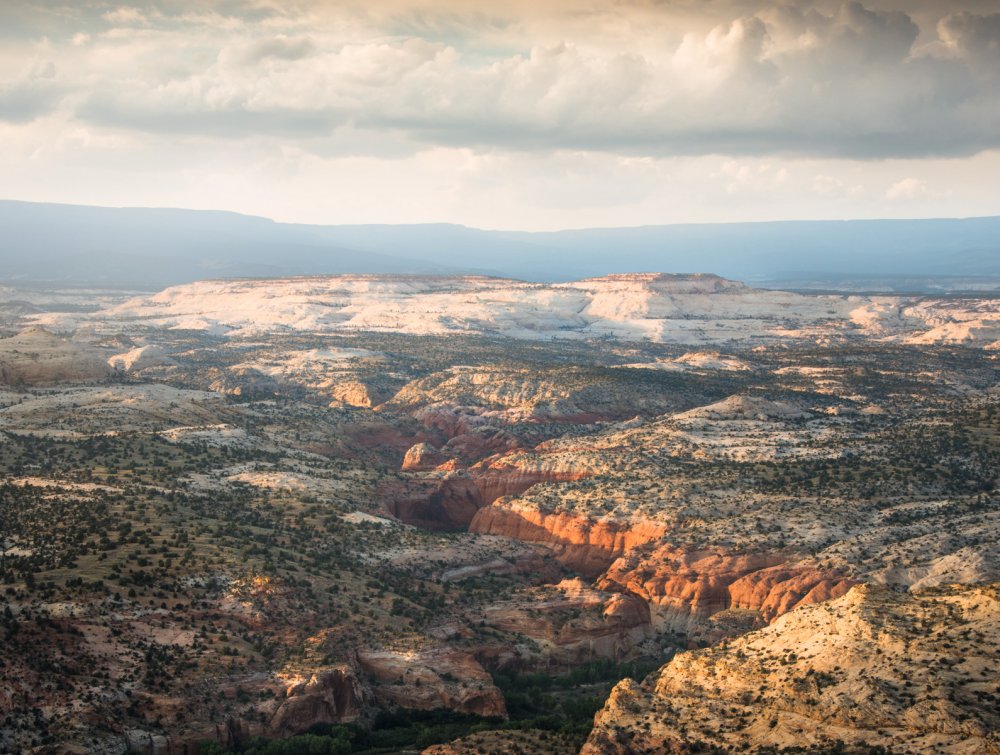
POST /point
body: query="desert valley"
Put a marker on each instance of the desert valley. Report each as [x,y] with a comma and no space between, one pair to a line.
[459,514]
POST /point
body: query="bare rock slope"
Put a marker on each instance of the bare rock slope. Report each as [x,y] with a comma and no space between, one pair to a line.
[912,673]
[691,309]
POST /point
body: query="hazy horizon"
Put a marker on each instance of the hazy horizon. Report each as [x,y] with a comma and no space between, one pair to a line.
[151,247]
[278,221]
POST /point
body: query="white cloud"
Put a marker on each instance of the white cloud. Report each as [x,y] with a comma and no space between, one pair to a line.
[843,83]
[546,112]
[907,189]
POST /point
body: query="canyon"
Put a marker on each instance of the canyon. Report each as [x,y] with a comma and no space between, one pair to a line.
[241,511]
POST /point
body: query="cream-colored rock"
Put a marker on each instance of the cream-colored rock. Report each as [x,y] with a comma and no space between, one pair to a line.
[37,357]
[911,673]
[432,679]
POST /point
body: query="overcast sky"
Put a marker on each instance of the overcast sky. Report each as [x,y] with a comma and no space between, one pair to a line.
[505,114]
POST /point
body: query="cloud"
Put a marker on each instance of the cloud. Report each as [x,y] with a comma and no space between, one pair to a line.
[851,82]
[30,94]
[279,47]
[907,189]
[975,39]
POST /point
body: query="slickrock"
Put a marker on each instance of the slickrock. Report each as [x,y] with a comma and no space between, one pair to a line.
[139,358]
[355,393]
[37,357]
[912,673]
[689,309]
[574,622]
[432,679]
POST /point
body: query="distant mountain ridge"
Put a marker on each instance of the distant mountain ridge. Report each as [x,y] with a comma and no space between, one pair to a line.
[152,248]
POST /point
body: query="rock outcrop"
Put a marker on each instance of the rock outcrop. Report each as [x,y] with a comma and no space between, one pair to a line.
[356,393]
[422,457]
[874,668]
[507,478]
[442,503]
[746,408]
[140,358]
[684,587]
[572,621]
[331,696]
[586,545]
[37,357]
[432,679]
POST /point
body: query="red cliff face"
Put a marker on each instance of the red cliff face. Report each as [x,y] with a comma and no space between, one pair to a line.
[585,545]
[684,585]
[422,457]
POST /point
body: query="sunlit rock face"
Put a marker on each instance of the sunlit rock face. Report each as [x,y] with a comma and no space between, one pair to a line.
[688,309]
[873,668]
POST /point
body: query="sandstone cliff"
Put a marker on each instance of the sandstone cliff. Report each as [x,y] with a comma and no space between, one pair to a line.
[685,586]
[585,545]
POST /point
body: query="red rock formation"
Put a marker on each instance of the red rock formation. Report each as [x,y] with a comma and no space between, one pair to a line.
[422,457]
[680,584]
[585,545]
[450,501]
[696,584]
[505,477]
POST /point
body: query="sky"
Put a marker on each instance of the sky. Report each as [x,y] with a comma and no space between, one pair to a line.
[505,114]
